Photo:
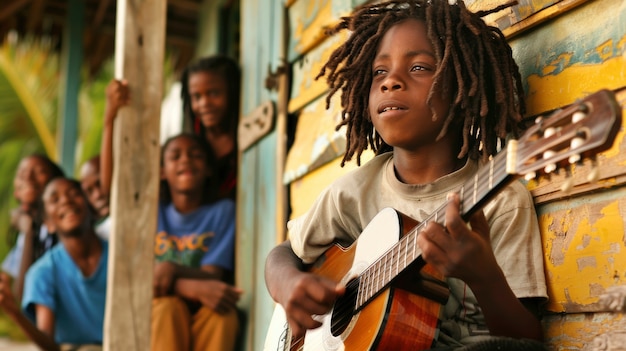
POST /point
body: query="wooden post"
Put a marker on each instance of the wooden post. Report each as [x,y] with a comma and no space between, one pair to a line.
[139,55]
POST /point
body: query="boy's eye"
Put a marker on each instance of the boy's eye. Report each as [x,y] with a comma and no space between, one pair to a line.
[378,72]
[171,157]
[418,68]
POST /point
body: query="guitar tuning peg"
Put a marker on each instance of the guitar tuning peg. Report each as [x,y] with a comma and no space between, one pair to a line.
[580,114]
[576,142]
[549,154]
[594,173]
[530,176]
[568,184]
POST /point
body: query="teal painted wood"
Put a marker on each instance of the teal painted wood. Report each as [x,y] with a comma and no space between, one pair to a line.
[72,61]
[566,43]
[257,203]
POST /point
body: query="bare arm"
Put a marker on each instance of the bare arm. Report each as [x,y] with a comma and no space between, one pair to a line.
[167,273]
[202,285]
[214,294]
[43,333]
[117,95]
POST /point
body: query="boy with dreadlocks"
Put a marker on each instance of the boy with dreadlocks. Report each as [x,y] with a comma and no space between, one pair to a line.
[434,92]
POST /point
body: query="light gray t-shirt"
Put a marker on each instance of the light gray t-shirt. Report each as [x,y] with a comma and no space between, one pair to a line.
[344,209]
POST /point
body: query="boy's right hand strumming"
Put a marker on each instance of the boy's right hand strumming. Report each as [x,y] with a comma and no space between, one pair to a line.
[302,295]
[306,296]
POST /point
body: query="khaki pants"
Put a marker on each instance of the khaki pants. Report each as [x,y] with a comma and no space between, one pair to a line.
[175,328]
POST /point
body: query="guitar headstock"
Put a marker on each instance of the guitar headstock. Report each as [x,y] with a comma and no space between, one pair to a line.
[570,135]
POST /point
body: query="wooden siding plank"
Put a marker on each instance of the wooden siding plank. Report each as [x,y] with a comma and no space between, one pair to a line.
[261,204]
[306,189]
[251,40]
[316,141]
[305,88]
[308,20]
[523,16]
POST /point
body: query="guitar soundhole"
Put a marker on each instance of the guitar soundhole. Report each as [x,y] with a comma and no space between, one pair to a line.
[344,308]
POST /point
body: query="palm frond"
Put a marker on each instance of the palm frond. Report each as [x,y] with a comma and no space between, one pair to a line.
[29,78]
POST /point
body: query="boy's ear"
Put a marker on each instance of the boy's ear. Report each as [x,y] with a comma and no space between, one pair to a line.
[161,173]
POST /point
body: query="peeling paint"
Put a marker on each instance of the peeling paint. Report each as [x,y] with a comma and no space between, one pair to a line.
[555,68]
[585,262]
[583,242]
[577,331]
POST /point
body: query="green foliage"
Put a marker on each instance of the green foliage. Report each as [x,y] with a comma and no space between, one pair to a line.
[91,111]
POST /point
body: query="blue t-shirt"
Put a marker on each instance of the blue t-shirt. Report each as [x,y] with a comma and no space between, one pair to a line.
[77,301]
[203,237]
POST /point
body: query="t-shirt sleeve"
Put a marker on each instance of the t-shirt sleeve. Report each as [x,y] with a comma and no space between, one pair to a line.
[221,252]
[516,241]
[39,287]
[321,227]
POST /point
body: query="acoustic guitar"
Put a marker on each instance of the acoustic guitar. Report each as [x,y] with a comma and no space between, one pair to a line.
[393,297]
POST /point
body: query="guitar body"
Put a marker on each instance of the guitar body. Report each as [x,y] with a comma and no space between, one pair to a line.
[395,319]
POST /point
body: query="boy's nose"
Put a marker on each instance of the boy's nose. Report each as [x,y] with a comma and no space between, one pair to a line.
[392,82]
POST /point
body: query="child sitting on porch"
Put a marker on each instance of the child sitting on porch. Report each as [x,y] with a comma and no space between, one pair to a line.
[65,290]
[194,306]
[33,238]
[90,181]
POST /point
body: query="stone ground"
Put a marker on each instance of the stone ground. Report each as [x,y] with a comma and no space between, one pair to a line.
[8,345]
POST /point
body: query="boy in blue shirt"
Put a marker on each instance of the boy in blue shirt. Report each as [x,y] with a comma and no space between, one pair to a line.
[65,290]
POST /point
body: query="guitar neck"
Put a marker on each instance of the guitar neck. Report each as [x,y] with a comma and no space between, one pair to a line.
[487,182]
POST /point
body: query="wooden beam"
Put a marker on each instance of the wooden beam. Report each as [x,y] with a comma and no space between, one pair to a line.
[35,14]
[11,9]
[139,56]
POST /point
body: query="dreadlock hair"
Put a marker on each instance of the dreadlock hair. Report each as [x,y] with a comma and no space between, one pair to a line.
[228,69]
[475,68]
[210,188]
